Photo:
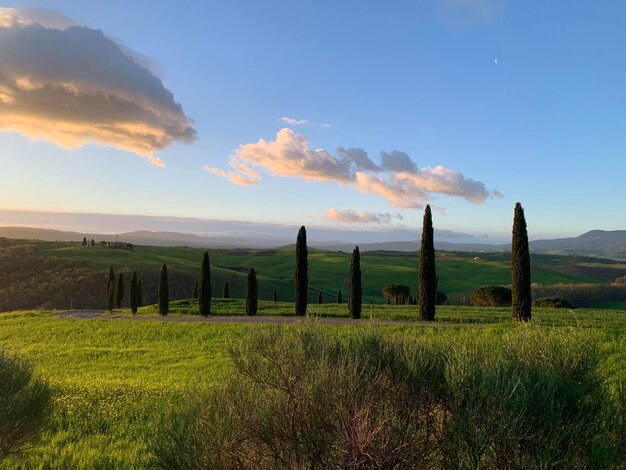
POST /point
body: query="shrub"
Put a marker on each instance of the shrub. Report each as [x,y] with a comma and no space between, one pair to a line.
[491,296]
[395,291]
[441,298]
[299,397]
[552,302]
[25,403]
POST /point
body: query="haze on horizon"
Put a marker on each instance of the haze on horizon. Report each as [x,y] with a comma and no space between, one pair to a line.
[340,116]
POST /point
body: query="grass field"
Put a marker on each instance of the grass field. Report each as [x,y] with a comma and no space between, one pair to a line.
[116,381]
[458,273]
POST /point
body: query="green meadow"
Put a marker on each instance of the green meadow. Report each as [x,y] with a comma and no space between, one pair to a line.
[116,383]
[459,273]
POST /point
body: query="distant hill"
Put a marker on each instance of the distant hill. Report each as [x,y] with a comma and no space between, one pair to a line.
[596,243]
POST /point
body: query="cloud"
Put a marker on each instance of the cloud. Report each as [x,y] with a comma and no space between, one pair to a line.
[73,85]
[350,216]
[397,178]
[301,122]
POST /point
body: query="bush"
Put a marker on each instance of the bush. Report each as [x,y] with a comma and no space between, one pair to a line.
[25,403]
[300,397]
[552,302]
[441,299]
[491,296]
[396,291]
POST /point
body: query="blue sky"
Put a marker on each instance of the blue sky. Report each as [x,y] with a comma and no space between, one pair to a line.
[544,126]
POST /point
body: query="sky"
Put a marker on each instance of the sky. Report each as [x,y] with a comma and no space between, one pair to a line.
[350,114]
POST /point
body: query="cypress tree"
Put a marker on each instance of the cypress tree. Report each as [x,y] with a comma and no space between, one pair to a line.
[139,294]
[251,293]
[355,296]
[275,297]
[111,296]
[133,299]
[110,299]
[204,293]
[84,241]
[520,267]
[93,242]
[339,300]
[301,278]
[120,290]
[427,289]
[226,290]
[163,292]
[319,297]
[195,290]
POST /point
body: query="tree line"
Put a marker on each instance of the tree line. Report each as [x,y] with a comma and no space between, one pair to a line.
[427,298]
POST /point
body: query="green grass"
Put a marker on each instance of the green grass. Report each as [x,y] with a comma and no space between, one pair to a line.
[612,305]
[329,271]
[115,381]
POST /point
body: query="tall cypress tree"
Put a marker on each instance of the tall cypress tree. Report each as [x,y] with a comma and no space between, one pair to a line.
[275,297]
[339,300]
[427,289]
[195,290]
[204,293]
[226,290]
[139,294]
[355,297]
[301,278]
[319,298]
[110,303]
[163,292]
[520,267]
[120,290]
[251,293]
[133,297]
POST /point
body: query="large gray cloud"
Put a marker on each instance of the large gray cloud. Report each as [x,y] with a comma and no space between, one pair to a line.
[74,85]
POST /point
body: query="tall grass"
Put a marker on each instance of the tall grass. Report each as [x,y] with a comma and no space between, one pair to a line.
[302,397]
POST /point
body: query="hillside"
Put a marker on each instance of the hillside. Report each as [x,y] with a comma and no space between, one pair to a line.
[58,274]
[596,243]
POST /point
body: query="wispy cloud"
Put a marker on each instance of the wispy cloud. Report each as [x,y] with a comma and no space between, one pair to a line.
[396,178]
[349,216]
[73,85]
[302,122]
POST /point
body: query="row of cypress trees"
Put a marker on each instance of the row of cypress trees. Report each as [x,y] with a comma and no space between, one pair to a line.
[520,269]
[115,292]
[427,281]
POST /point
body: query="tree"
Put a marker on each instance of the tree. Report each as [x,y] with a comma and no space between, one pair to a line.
[110,304]
[93,242]
[275,296]
[133,298]
[301,278]
[355,297]
[226,290]
[195,290]
[339,300]
[395,291]
[84,241]
[120,290]
[520,267]
[251,293]
[163,292]
[319,298]
[427,289]
[111,296]
[204,293]
[139,294]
